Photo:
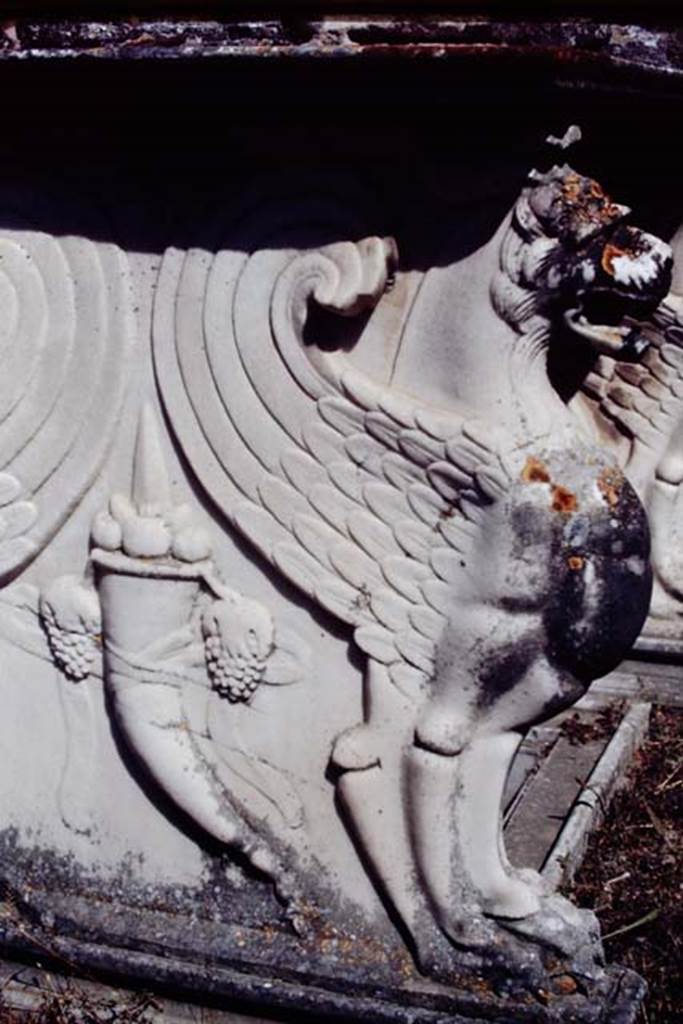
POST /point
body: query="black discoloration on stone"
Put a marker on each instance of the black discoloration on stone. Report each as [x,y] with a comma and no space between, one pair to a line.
[602,587]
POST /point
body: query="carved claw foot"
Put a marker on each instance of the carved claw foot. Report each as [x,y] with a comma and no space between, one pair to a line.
[561,926]
[469,930]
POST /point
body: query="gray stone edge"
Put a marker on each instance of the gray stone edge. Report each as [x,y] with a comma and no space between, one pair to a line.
[572,45]
[595,796]
[206,984]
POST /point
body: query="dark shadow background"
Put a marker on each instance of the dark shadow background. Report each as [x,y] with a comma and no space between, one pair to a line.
[154,153]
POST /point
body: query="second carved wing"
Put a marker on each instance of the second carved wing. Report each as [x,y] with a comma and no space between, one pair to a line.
[638,407]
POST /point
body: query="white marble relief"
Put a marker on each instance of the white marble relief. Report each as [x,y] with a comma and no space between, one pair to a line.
[320,597]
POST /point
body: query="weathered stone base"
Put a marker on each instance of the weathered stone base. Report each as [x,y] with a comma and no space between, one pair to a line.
[226,994]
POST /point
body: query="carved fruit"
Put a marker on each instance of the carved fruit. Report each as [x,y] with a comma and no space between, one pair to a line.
[70,613]
[106,532]
[192,544]
[121,507]
[232,675]
[146,537]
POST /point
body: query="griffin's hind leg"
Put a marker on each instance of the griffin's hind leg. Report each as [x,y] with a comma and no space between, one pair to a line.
[454,808]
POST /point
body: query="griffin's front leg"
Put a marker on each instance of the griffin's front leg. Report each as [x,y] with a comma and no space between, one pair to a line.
[370,757]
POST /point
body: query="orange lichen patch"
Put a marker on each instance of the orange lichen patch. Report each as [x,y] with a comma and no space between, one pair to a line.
[535,472]
[588,199]
[565,985]
[563,500]
[575,562]
[610,483]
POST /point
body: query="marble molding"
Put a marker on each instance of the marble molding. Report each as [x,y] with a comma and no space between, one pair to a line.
[288,599]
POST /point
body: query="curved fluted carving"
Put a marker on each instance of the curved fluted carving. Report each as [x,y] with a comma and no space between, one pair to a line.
[66,330]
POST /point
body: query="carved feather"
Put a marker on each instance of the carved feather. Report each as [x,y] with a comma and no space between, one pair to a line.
[281,500]
[387,503]
[400,472]
[408,679]
[349,478]
[341,414]
[66,356]
[440,427]
[366,452]
[322,442]
[361,390]
[302,470]
[390,609]
[416,649]
[672,354]
[340,599]
[405,575]
[10,488]
[414,537]
[355,567]
[315,536]
[16,519]
[371,534]
[332,506]
[420,447]
[427,504]
[377,642]
[297,565]
[398,409]
[428,622]
[437,594]
[448,480]
[383,428]
[644,400]
[448,565]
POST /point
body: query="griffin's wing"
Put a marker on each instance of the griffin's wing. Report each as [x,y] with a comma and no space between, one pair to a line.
[365,500]
[65,333]
[637,406]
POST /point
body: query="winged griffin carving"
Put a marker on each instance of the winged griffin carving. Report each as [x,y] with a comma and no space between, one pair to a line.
[442,500]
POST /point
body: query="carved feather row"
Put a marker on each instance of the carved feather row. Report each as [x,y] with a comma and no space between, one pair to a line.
[66,331]
[361,497]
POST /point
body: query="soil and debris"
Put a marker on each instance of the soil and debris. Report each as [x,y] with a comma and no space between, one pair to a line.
[579,729]
[67,1004]
[632,875]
